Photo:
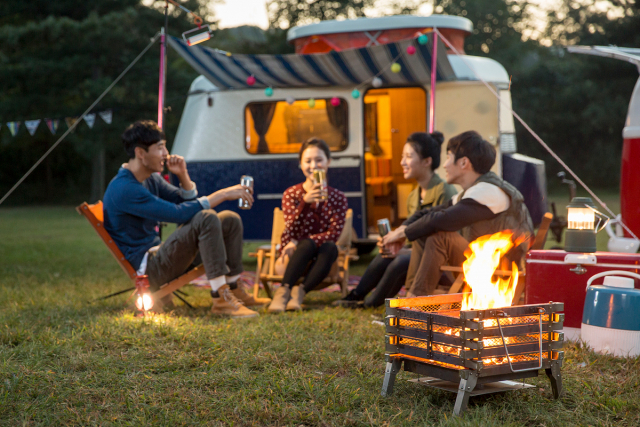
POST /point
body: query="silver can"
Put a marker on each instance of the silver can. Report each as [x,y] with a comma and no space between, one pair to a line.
[320,177]
[246,181]
[384,227]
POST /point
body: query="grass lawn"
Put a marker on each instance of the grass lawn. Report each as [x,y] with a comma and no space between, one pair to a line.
[66,362]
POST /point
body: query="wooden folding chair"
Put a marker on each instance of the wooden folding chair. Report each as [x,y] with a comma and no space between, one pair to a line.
[268,254]
[95,215]
[537,243]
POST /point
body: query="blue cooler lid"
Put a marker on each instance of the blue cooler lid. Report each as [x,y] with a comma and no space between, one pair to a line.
[609,307]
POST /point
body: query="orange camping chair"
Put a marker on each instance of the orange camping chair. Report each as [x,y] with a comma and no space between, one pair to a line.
[94,214]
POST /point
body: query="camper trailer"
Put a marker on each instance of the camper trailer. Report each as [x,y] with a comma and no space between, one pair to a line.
[249,114]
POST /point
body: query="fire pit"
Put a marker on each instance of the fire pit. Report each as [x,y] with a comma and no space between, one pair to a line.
[472,352]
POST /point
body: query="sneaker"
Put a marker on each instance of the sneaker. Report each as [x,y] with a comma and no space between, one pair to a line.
[280,300]
[297,295]
[228,305]
[352,300]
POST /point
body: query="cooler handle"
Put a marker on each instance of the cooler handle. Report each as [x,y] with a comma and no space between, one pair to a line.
[611,272]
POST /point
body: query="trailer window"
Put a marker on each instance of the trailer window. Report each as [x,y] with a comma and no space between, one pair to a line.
[279,127]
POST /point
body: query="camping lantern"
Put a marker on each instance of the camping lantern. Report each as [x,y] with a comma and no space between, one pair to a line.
[198,35]
[582,228]
[144,302]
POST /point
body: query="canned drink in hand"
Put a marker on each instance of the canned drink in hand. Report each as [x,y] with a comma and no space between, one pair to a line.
[245,181]
[320,177]
[384,227]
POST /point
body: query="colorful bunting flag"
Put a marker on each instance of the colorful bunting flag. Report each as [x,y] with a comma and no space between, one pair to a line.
[90,119]
[70,121]
[107,116]
[32,125]
[13,127]
[52,124]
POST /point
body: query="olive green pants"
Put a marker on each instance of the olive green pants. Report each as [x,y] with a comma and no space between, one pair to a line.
[428,255]
[211,238]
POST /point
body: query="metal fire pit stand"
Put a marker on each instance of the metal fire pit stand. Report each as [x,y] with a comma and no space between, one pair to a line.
[472,352]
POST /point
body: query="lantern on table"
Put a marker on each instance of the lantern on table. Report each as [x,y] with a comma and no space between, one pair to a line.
[581,225]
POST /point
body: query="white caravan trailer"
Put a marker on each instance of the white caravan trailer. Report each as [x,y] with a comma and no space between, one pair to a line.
[249,114]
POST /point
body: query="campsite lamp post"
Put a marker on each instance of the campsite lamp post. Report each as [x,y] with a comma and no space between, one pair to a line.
[582,228]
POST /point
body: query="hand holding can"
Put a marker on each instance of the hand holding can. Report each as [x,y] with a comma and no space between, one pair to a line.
[245,181]
[384,228]
[320,177]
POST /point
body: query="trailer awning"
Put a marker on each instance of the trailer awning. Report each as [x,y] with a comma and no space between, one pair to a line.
[346,68]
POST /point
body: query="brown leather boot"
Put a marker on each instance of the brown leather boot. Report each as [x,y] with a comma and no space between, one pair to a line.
[248,299]
[297,295]
[228,305]
[280,300]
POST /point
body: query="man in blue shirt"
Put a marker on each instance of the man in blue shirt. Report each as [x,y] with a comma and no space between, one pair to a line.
[138,198]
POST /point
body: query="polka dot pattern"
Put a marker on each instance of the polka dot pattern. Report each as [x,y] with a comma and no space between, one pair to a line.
[321,222]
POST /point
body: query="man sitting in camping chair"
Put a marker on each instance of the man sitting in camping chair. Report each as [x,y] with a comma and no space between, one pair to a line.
[486,205]
[138,198]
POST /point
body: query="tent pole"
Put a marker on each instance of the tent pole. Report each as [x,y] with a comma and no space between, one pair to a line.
[432,97]
[163,67]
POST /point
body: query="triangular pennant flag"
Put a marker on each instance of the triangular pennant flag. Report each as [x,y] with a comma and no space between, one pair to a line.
[90,119]
[32,125]
[52,124]
[107,116]
[70,121]
[13,127]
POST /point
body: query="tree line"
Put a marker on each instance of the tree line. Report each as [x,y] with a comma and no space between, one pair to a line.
[57,57]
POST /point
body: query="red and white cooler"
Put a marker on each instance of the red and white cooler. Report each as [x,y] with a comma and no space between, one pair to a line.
[559,276]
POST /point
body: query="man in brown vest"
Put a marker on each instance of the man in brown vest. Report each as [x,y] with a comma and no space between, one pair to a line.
[486,205]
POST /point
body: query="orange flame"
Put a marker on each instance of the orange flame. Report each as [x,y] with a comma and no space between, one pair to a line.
[482,261]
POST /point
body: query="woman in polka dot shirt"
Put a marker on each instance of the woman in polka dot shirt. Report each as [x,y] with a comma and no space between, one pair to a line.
[312,226]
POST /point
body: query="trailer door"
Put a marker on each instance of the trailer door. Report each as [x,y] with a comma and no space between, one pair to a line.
[390,116]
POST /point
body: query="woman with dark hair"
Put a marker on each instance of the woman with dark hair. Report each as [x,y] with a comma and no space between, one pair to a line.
[314,219]
[386,274]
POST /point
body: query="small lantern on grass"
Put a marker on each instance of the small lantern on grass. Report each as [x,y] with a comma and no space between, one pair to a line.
[581,225]
[144,302]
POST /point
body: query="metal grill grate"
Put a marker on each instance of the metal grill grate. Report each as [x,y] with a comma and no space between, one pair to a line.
[520,339]
[529,357]
[413,343]
[431,362]
[425,345]
[446,330]
[510,321]
[453,306]
[405,323]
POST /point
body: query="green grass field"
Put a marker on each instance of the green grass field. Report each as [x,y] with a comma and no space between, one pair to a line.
[64,361]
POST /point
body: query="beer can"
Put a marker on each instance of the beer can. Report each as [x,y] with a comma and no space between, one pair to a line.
[320,177]
[246,181]
[384,227]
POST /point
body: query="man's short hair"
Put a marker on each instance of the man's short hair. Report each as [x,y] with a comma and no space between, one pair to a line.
[143,133]
[470,144]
